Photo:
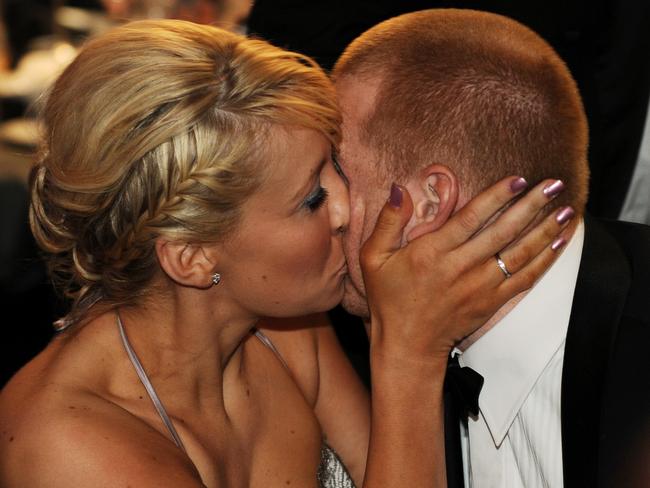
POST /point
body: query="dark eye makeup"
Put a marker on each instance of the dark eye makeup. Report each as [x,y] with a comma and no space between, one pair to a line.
[316,199]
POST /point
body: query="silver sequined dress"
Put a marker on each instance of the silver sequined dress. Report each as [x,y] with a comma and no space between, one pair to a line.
[332,472]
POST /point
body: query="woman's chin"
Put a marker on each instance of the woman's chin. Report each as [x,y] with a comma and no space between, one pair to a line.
[334,298]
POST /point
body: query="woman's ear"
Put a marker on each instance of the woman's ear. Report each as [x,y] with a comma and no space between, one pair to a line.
[434,191]
[187,264]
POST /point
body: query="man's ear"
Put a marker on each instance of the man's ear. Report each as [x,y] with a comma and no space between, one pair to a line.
[434,191]
[187,264]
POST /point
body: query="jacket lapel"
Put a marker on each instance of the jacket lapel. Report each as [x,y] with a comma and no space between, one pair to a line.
[601,289]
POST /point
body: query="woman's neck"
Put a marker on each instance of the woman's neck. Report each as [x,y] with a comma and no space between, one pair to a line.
[186,342]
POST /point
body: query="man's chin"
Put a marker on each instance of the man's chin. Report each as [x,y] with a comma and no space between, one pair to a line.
[353,302]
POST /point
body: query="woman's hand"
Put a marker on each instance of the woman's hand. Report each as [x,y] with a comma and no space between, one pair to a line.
[427,296]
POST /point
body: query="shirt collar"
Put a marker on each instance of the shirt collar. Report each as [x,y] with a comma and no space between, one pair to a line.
[513,354]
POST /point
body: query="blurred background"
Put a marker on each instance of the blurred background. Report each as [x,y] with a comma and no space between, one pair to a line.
[606,44]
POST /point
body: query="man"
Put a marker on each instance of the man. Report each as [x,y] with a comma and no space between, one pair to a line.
[446,102]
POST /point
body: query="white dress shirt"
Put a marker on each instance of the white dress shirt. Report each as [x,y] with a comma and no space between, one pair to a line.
[515,442]
[637,201]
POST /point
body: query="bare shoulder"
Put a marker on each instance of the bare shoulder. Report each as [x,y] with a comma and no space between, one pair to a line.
[63,437]
[54,433]
[297,340]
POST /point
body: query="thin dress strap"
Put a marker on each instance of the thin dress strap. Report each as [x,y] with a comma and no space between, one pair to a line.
[267,342]
[332,473]
[148,386]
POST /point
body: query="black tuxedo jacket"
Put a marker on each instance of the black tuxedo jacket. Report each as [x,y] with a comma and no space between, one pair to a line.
[606,373]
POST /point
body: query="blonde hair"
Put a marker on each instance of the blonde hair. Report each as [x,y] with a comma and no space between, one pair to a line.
[158,128]
[473,90]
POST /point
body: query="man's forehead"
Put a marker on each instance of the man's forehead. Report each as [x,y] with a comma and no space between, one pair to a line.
[357,96]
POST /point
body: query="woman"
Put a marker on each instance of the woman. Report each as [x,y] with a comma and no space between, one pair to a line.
[187,187]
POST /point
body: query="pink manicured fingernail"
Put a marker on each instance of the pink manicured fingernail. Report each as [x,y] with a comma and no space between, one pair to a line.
[558,243]
[395,196]
[554,188]
[564,215]
[518,185]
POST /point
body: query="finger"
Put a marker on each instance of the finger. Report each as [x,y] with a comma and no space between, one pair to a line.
[527,276]
[473,216]
[509,225]
[509,288]
[526,262]
[386,237]
[546,234]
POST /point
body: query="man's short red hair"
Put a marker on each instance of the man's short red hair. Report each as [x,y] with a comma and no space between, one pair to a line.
[475,91]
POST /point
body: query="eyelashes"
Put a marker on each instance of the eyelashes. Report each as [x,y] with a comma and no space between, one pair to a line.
[316,201]
[319,197]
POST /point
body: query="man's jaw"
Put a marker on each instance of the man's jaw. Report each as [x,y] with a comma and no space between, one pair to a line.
[354,300]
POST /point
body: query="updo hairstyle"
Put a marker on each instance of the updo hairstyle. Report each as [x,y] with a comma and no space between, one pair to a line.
[159,128]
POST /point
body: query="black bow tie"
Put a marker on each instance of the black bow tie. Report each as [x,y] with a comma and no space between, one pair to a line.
[464,384]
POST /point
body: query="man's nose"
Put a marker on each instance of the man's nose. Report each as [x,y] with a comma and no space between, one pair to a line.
[339,206]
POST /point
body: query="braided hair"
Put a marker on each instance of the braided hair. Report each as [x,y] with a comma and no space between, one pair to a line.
[159,129]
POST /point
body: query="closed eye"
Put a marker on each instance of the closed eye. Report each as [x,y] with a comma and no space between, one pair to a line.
[316,200]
